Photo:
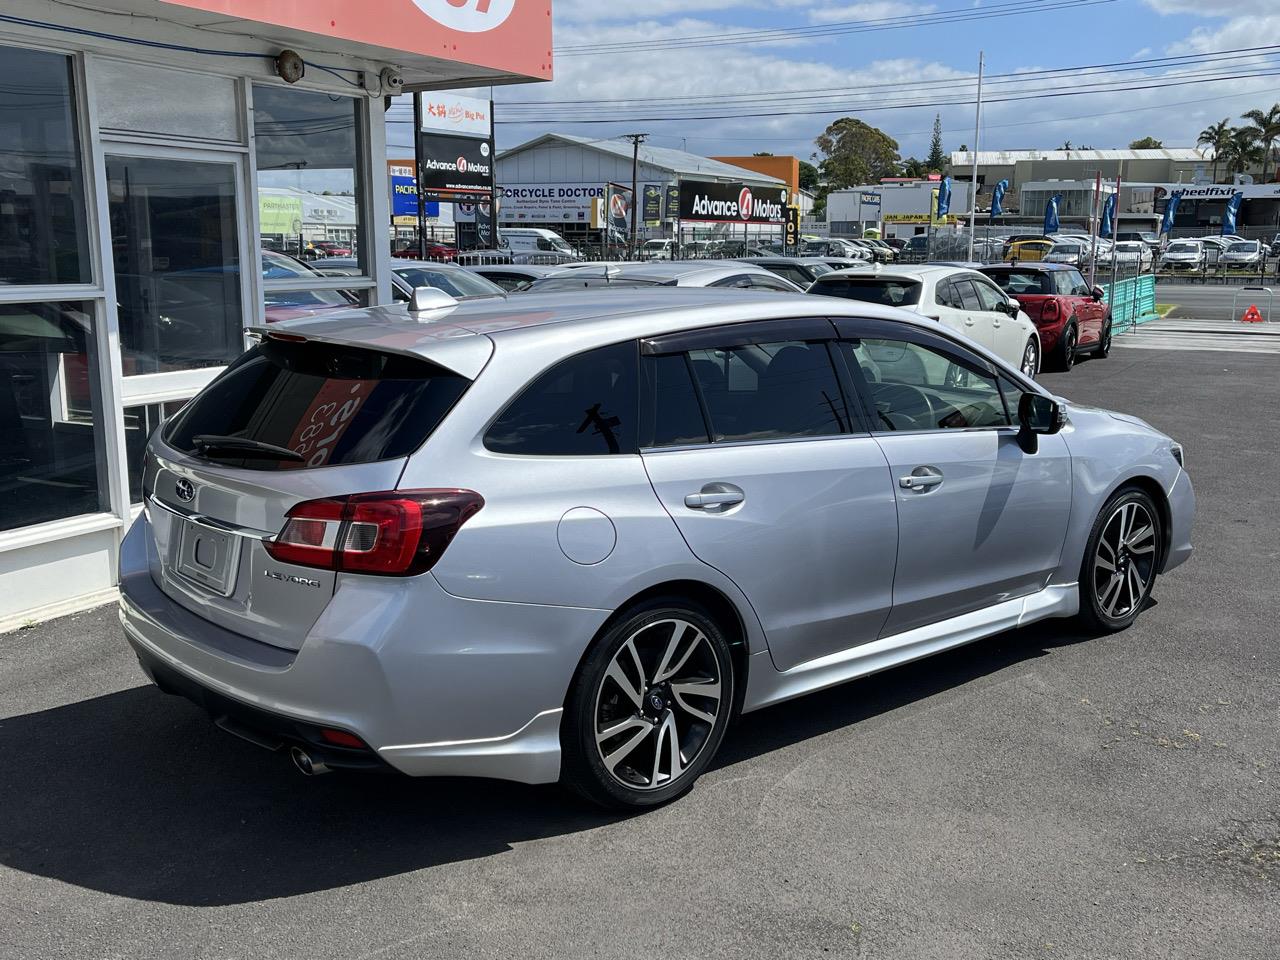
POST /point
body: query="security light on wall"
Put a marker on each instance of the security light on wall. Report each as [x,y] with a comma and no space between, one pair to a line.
[290,66]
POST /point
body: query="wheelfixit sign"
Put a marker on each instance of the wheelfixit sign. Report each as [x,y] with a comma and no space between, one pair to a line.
[732,203]
[455,168]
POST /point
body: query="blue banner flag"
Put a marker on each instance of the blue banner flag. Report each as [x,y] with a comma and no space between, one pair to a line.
[1108,214]
[1229,214]
[944,197]
[1051,214]
[1171,207]
[996,197]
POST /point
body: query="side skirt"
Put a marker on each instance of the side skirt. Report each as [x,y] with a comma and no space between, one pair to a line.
[765,688]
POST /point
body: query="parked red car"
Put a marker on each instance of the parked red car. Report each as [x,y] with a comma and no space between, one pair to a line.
[435,251]
[1071,317]
[332,248]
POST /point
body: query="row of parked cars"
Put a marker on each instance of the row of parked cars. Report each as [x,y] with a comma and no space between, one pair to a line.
[1029,314]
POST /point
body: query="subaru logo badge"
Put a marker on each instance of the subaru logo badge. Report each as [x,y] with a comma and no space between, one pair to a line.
[185,491]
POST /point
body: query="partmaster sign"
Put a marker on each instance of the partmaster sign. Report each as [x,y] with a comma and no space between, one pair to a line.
[732,203]
[512,36]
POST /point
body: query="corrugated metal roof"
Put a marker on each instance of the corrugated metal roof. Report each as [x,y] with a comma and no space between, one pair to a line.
[997,158]
[677,161]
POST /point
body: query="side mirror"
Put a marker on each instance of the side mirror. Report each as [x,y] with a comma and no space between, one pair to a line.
[1037,414]
[1012,306]
[1097,293]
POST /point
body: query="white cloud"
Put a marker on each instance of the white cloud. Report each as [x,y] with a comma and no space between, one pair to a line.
[1221,8]
[872,10]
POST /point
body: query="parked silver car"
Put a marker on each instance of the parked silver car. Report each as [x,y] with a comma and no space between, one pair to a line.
[569,536]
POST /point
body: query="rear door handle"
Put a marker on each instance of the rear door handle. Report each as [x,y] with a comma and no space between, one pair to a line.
[714,495]
[968,321]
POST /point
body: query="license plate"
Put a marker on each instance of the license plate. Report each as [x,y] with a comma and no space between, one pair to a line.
[209,557]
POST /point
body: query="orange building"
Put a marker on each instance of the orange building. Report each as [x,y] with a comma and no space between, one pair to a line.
[784,168]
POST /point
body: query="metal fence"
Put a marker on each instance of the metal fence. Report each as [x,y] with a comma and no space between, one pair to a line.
[1132,301]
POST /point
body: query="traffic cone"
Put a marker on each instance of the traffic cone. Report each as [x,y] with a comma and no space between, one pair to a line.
[1252,315]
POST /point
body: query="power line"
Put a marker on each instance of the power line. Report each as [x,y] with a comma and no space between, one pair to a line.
[1009,9]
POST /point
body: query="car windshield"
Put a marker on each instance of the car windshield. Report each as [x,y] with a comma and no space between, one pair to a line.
[1129,247]
[1184,248]
[457,283]
[1249,247]
[579,280]
[655,244]
[1021,283]
[1065,248]
[819,268]
[889,291]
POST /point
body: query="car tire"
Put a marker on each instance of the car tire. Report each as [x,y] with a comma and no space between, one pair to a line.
[1103,350]
[660,677]
[1030,365]
[1121,561]
[1064,354]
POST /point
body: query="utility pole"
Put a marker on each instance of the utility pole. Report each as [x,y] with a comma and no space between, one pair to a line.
[973,180]
[636,139]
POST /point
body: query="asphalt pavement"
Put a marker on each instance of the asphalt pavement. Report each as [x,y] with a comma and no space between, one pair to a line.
[1040,794]
[1208,301]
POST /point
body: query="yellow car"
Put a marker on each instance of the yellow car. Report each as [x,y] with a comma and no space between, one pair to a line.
[1021,250]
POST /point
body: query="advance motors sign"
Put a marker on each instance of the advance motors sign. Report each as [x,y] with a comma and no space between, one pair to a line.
[455,168]
[732,203]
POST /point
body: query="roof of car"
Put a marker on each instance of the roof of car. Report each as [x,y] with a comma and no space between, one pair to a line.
[1024,266]
[663,269]
[453,331]
[905,271]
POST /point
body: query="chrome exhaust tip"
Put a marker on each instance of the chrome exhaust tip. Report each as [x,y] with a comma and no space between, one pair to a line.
[306,764]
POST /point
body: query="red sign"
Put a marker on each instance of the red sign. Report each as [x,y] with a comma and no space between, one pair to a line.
[506,35]
[326,419]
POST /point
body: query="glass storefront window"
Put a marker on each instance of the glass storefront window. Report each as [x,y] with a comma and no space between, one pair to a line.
[139,424]
[52,463]
[177,266]
[43,238]
[308,188]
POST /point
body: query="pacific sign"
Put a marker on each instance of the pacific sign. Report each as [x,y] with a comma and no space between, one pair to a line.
[732,203]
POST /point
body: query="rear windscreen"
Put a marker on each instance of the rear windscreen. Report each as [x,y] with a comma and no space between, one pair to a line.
[1023,283]
[330,404]
[883,290]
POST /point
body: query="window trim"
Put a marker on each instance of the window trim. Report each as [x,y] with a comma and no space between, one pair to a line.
[748,333]
[853,328]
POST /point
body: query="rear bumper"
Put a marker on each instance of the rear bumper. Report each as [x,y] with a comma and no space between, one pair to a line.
[436,685]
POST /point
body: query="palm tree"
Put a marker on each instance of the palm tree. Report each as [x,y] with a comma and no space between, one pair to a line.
[1216,136]
[1242,150]
[1268,127]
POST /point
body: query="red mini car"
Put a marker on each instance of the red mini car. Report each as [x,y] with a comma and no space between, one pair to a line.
[1071,317]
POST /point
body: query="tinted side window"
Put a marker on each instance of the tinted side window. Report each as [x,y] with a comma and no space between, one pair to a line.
[1079,287]
[1062,283]
[583,406]
[769,391]
[915,387]
[991,298]
[675,417]
[968,296]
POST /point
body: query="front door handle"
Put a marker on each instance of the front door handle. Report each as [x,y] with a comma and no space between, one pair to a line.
[968,321]
[715,495]
[920,481]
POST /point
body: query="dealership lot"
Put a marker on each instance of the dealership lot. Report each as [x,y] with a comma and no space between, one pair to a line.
[1038,794]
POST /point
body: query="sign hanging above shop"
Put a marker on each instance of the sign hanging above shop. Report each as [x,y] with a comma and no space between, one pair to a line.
[444,112]
[455,168]
[503,35]
[732,203]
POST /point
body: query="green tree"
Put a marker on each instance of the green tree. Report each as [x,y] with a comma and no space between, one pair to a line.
[1146,143]
[1267,127]
[911,167]
[853,152]
[1216,136]
[809,177]
[936,160]
[1243,149]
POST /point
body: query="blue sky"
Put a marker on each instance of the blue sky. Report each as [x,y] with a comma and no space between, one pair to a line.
[1103,32]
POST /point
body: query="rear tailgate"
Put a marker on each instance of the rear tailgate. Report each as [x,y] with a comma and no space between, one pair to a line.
[352,414]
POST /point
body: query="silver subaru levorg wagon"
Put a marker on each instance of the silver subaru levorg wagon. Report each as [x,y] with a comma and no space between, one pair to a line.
[569,536]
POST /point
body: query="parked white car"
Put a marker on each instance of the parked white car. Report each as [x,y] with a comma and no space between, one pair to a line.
[1243,254]
[1133,255]
[1184,255]
[962,300]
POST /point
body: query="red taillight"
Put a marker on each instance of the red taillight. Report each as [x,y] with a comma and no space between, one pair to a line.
[1049,312]
[395,533]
